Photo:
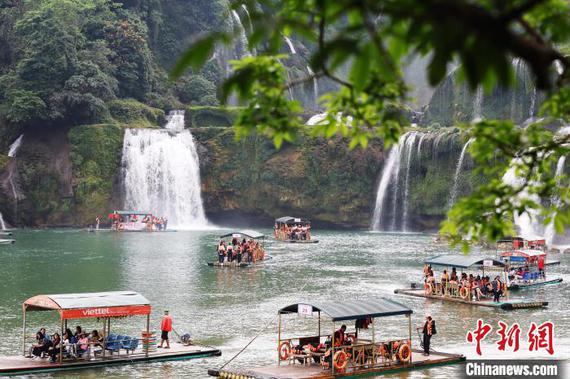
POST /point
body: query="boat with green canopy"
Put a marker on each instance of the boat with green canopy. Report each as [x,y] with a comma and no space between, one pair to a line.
[293,230]
[465,289]
[357,351]
[242,248]
[112,349]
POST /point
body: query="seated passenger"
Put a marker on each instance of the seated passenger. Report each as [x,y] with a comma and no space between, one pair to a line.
[55,347]
[68,342]
[339,336]
[82,344]
[40,346]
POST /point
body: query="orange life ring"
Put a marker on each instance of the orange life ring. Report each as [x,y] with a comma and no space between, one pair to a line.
[404,353]
[284,350]
[464,293]
[340,360]
[428,288]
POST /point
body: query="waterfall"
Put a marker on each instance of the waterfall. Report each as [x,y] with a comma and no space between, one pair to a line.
[457,175]
[550,231]
[315,85]
[390,166]
[532,104]
[15,146]
[161,173]
[242,34]
[409,149]
[527,223]
[517,66]
[2,223]
[290,44]
[478,105]
[399,159]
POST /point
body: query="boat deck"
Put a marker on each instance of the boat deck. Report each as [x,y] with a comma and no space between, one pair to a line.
[487,302]
[522,285]
[19,365]
[315,371]
[299,241]
[229,264]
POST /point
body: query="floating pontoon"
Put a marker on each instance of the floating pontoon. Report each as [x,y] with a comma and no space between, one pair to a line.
[103,306]
[326,356]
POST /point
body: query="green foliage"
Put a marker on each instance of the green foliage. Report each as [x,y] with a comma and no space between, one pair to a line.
[130,111]
[207,116]
[96,158]
[369,39]
[193,89]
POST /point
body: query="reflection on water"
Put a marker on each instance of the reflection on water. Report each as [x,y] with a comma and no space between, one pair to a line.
[226,307]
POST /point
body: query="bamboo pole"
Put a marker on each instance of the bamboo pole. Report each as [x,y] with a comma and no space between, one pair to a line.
[24,329]
[61,342]
[332,348]
[147,334]
[279,340]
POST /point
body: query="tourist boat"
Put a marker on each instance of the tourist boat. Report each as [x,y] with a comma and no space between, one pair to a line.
[293,230]
[255,238]
[525,262]
[133,221]
[323,356]
[453,292]
[115,350]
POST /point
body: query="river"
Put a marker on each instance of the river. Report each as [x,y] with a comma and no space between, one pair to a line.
[225,308]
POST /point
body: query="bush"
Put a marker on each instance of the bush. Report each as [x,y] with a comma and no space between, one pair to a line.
[192,89]
[129,111]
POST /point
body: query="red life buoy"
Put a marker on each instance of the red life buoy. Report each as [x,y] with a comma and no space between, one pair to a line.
[464,292]
[404,353]
[428,288]
[284,350]
[340,360]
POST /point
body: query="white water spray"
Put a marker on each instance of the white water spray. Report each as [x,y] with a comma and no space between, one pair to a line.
[478,105]
[2,223]
[315,85]
[161,173]
[457,175]
[390,166]
[290,44]
[15,146]
[242,34]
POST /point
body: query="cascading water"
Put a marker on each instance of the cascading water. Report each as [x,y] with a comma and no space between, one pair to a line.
[390,166]
[15,146]
[315,85]
[550,231]
[478,105]
[242,34]
[2,223]
[532,104]
[161,173]
[457,175]
[290,44]
[409,149]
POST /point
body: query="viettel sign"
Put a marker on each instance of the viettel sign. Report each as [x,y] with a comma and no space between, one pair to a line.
[131,310]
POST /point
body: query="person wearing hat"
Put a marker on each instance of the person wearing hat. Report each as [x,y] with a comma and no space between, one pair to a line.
[165,327]
[429,331]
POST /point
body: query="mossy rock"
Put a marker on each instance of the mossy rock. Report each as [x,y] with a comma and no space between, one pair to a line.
[135,113]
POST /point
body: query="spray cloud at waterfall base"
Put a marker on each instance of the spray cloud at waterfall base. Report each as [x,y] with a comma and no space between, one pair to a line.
[161,174]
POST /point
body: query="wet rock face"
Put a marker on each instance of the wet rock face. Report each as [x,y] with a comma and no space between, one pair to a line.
[249,180]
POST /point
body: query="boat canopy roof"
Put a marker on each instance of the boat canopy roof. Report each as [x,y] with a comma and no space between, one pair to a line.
[91,305]
[247,233]
[137,213]
[523,253]
[462,261]
[291,220]
[350,309]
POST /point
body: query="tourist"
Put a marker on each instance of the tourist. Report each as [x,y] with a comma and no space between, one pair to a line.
[239,253]
[497,289]
[229,253]
[55,347]
[97,221]
[78,332]
[339,336]
[429,331]
[165,223]
[38,348]
[68,342]
[165,328]
[221,251]
[444,281]
[82,344]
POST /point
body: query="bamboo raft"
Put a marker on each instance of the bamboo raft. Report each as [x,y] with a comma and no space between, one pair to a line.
[19,365]
[298,241]
[315,371]
[506,305]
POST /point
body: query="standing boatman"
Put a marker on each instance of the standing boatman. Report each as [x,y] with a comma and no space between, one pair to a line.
[429,331]
[165,328]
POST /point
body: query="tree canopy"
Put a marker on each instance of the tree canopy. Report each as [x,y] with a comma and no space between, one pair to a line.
[361,45]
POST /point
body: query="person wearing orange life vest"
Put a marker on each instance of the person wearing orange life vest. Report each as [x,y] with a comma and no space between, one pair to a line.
[339,336]
[165,327]
[429,331]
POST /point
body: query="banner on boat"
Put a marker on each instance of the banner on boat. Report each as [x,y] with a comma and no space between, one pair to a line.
[305,309]
[135,310]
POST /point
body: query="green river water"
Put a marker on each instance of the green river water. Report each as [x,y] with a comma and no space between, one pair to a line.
[225,307]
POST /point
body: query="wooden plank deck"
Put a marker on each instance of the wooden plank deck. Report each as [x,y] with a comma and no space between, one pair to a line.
[315,371]
[19,365]
[506,305]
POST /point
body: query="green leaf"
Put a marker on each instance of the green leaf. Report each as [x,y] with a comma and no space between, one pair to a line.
[195,56]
